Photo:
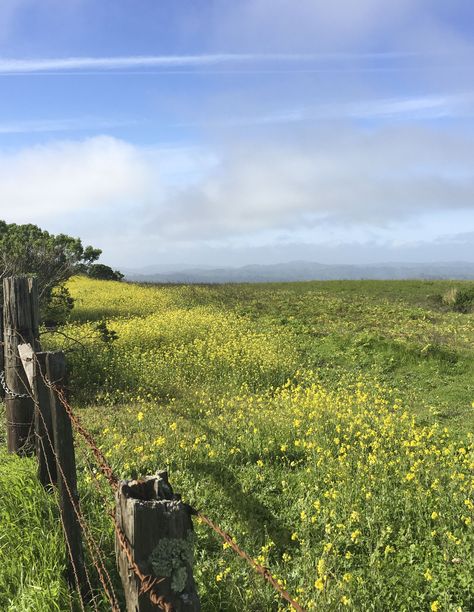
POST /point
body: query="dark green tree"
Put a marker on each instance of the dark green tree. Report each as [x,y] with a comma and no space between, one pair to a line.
[103,272]
[29,250]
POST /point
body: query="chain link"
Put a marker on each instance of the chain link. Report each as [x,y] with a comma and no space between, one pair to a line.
[9,391]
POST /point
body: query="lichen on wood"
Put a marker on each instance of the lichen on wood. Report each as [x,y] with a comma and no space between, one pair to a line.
[171,559]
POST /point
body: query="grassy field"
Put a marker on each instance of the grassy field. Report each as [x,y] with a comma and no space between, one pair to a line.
[327,425]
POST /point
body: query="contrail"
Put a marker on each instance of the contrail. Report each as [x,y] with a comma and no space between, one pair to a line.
[19,66]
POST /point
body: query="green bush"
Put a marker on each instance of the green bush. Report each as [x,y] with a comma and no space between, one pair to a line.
[103,272]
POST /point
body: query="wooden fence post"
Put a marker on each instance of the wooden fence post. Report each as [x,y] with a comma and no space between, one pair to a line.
[34,365]
[2,351]
[21,322]
[66,474]
[159,529]
[47,472]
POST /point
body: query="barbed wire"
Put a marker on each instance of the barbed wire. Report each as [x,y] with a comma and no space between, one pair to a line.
[68,545]
[147,582]
[104,466]
[94,548]
[260,569]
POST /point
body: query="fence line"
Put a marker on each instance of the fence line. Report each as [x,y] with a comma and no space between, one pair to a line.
[148,583]
[113,480]
[94,549]
[71,556]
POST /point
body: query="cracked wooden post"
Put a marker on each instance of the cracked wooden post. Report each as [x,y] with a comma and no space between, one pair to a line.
[21,322]
[158,527]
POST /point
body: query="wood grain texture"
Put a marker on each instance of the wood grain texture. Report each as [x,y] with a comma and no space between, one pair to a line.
[66,475]
[20,323]
[153,518]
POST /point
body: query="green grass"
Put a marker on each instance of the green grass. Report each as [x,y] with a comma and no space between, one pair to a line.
[325,424]
[31,544]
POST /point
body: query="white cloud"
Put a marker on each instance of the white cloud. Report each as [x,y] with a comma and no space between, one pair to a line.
[342,176]
[333,184]
[60,178]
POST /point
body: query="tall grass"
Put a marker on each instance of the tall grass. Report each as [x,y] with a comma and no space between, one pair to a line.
[32,554]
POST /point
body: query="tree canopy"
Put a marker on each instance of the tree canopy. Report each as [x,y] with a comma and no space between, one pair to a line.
[103,272]
[27,249]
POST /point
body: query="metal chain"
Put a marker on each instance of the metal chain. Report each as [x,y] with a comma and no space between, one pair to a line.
[8,391]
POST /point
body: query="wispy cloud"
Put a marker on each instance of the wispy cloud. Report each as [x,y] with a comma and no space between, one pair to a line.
[61,125]
[20,66]
[421,107]
[428,107]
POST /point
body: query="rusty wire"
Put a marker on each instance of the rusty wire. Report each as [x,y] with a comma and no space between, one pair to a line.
[263,571]
[68,546]
[148,583]
[145,580]
[99,455]
[91,543]
[94,548]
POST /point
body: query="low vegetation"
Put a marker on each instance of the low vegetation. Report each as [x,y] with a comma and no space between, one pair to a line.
[325,425]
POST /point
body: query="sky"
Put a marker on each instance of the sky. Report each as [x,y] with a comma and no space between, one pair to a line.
[217,132]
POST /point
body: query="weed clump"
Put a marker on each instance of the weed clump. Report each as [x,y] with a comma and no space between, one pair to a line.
[459,300]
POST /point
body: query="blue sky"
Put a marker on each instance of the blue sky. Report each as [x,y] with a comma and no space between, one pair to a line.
[226,133]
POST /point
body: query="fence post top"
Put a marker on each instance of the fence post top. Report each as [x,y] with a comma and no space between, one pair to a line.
[151,489]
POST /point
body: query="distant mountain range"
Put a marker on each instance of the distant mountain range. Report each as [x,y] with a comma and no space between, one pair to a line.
[302,271]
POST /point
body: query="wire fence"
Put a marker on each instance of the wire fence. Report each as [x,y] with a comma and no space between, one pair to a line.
[97,461]
[113,480]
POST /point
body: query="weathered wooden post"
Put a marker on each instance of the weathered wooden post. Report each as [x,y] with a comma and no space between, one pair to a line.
[2,361]
[158,527]
[47,473]
[21,322]
[34,365]
[66,473]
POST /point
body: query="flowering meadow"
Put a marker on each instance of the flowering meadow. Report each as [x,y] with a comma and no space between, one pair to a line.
[326,426]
